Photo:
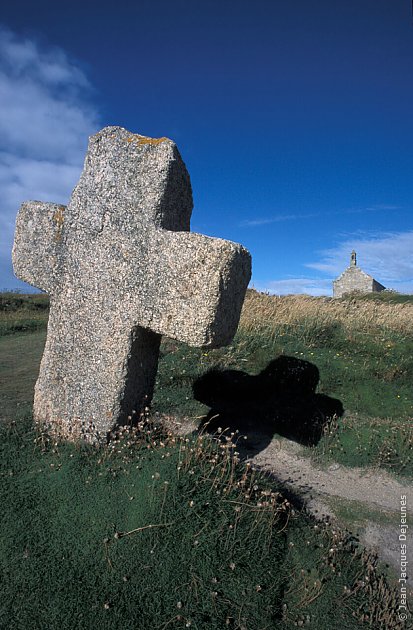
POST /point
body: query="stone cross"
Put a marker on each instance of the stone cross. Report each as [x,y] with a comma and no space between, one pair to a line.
[122,269]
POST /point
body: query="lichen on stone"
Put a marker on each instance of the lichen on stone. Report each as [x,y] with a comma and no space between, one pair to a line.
[59,219]
[140,140]
[153,141]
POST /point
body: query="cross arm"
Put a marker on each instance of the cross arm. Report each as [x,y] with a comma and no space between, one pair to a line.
[38,248]
[197,287]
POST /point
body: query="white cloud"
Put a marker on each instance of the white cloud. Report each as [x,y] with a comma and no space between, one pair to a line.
[312,215]
[277,219]
[45,121]
[387,257]
[52,66]
[289,286]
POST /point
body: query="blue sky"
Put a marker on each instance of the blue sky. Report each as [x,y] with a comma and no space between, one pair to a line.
[293,118]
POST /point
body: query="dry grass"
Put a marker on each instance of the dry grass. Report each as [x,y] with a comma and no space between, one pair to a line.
[262,311]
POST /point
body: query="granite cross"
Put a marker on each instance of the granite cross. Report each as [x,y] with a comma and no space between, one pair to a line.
[122,269]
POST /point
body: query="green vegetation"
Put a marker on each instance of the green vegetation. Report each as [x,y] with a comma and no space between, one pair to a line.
[364,521]
[23,313]
[20,356]
[388,296]
[357,513]
[365,360]
[156,531]
[362,346]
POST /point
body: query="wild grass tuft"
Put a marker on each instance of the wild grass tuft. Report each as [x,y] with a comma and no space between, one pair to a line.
[158,531]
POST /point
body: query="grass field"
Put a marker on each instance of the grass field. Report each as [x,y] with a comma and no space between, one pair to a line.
[364,352]
[20,356]
[363,348]
[159,531]
[156,531]
[22,313]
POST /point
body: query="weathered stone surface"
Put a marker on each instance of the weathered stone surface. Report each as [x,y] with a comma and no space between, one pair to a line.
[353,279]
[122,269]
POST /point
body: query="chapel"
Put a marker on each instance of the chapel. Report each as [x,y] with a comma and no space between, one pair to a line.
[353,279]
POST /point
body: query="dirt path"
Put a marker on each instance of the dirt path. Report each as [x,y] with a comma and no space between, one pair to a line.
[371,487]
[369,499]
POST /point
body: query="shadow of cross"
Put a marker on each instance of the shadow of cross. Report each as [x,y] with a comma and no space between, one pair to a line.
[122,269]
